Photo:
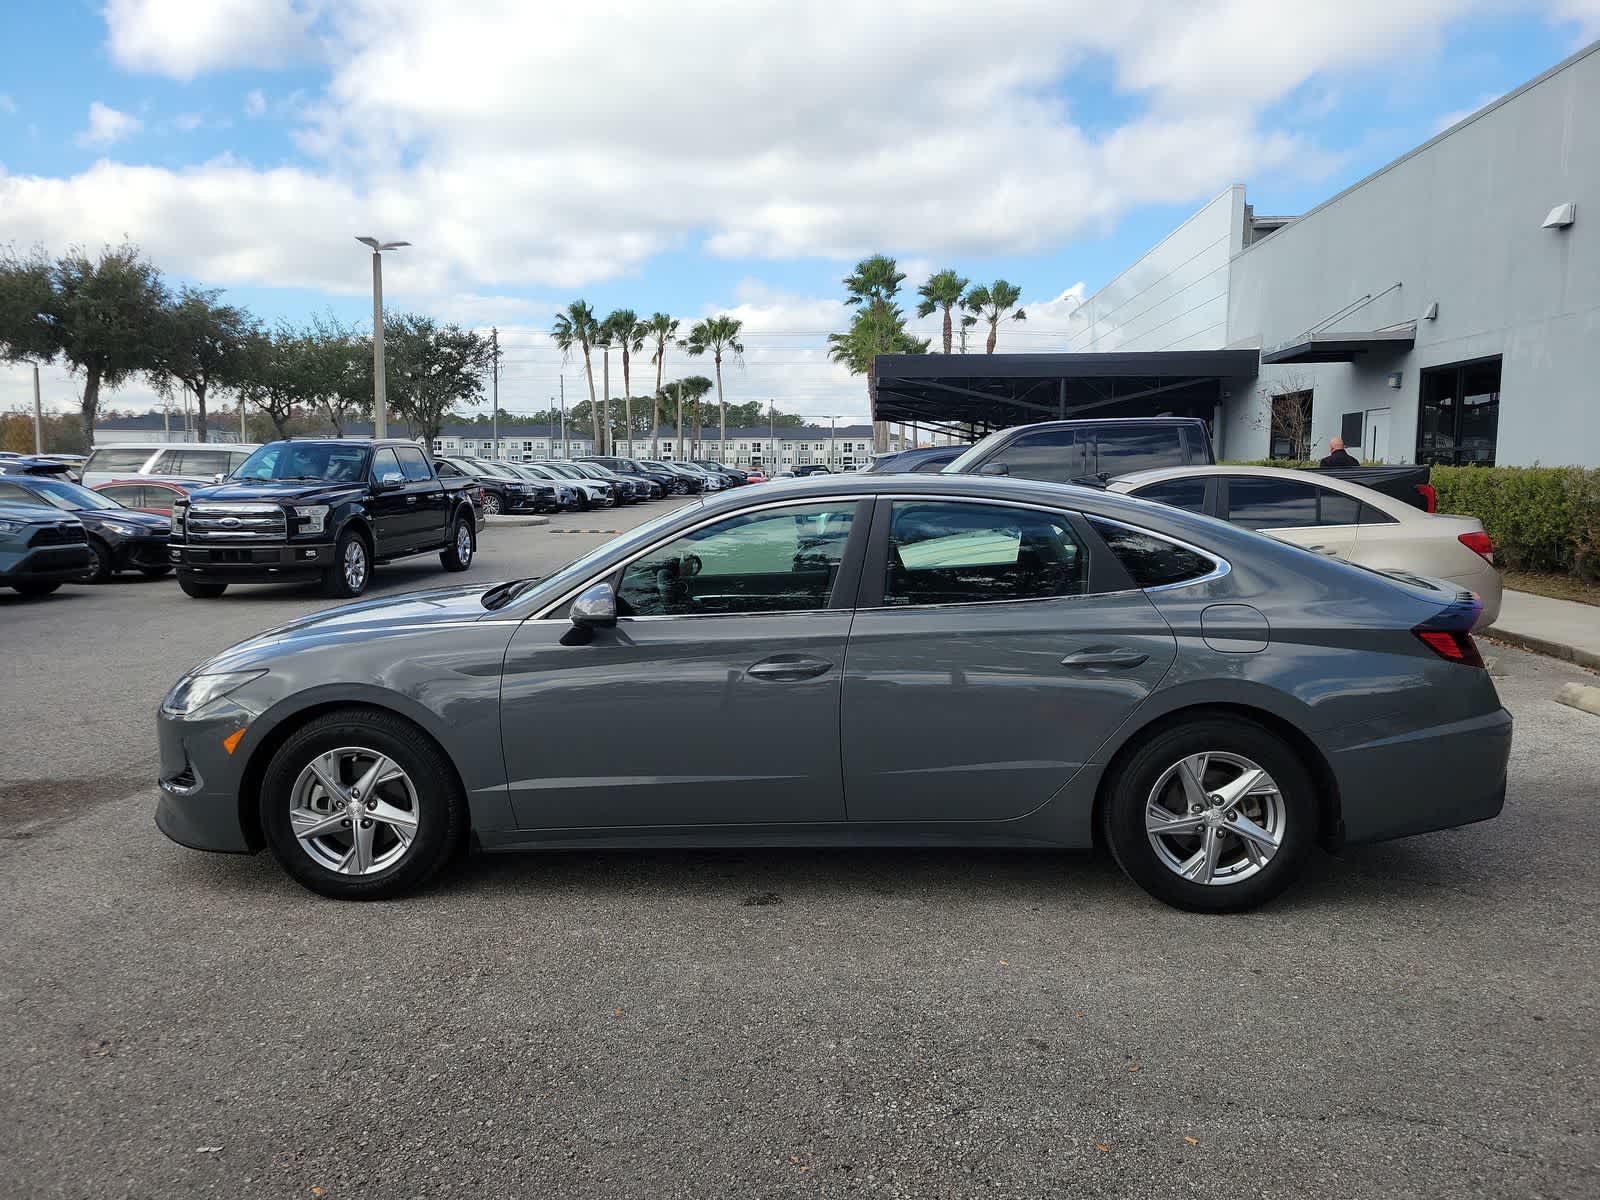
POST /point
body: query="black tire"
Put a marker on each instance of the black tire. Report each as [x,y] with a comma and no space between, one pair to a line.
[1123,814]
[463,545]
[440,806]
[36,587]
[492,507]
[99,568]
[155,572]
[341,581]
[199,589]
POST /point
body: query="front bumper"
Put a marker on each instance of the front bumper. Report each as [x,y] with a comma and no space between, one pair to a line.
[45,564]
[134,553]
[252,561]
[1423,780]
[199,781]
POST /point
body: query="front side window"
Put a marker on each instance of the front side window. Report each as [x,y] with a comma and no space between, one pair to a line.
[1055,455]
[1187,494]
[951,552]
[384,463]
[1267,503]
[132,497]
[772,560]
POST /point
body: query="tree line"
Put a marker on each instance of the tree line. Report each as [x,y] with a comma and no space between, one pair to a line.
[113,317]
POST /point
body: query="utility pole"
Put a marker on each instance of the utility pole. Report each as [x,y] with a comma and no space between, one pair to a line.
[605,408]
[566,449]
[243,436]
[380,398]
[832,457]
[38,414]
[772,435]
[494,389]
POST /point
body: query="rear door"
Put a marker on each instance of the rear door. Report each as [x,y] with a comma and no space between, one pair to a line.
[988,660]
[1124,449]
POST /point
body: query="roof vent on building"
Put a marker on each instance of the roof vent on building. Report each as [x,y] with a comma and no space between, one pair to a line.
[1561,216]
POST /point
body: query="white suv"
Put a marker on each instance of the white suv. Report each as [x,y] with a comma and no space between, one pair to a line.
[169,460]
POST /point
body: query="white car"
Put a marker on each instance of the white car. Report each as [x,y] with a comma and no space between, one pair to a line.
[165,460]
[1332,516]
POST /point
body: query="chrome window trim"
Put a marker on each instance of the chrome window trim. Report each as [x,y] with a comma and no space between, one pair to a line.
[1220,566]
[798,502]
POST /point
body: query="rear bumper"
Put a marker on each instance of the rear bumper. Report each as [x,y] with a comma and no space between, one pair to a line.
[1424,780]
[246,562]
[44,564]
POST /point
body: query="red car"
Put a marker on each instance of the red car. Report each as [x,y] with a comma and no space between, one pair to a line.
[756,477]
[149,495]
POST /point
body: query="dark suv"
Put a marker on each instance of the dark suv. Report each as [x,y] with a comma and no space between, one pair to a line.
[40,548]
[1088,451]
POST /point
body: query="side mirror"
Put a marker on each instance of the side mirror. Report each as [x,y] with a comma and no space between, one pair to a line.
[595,607]
[218,477]
[994,469]
[391,480]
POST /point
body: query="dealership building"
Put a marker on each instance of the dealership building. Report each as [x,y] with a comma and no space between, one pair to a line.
[1445,309]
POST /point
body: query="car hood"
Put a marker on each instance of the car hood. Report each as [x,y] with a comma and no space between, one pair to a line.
[288,491]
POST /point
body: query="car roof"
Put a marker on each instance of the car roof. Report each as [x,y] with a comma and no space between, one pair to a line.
[153,446]
[1388,505]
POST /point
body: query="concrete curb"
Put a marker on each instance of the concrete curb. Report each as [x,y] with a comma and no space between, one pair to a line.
[1528,641]
[510,521]
[1579,696]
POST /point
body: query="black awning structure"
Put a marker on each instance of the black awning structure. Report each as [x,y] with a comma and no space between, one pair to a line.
[1341,345]
[982,392]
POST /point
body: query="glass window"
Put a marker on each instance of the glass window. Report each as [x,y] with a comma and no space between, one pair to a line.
[1128,448]
[12,494]
[236,459]
[1188,494]
[126,494]
[961,553]
[385,463]
[1374,516]
[1458,414]
[1336,508]
[1267,503]
[333,461]
[168,462]
[1057,455]
[1152,561]
[772,560]
[444,468]
[117,459]
[202,463]
[413,465]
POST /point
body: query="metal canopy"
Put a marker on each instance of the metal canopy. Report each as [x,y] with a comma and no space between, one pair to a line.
[1341,346]
[991,391]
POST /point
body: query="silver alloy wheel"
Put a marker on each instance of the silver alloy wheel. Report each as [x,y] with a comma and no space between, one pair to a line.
[463,543]
[491,504]
[355,564]
[354,811]
[1215,818]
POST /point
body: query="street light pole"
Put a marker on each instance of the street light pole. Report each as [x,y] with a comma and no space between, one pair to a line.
[494,395]
[380,399]
[832,457]
[38,414]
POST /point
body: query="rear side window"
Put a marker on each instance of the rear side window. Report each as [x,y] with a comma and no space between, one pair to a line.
[116,459]
[1188,494]
[1055,455]
[413,465]
[1152,561]
[1267,503]
[1128,448]
[126,494]
[959,553]
[203,462]
[1335,508]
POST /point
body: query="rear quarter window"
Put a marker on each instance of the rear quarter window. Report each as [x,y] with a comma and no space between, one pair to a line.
[1151,560]
[116,459]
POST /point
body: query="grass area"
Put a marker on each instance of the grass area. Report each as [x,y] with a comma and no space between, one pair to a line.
[1557,586]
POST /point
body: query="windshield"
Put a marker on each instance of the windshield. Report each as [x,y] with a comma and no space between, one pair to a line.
[332,462]
[499,470]
[563,470]
[69,495]
[974,454]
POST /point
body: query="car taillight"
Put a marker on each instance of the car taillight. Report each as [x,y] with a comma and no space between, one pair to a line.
[1454,645]
[1430,498]
[1479,544]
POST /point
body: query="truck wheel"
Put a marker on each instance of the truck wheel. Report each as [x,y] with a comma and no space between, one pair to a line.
[352,567]
[199,589]
[459,556]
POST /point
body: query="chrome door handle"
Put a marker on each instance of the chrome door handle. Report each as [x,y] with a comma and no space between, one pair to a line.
[411,499]
[789,668]
[1105,658]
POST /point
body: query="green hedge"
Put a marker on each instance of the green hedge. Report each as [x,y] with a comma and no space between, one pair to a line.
[1541,518]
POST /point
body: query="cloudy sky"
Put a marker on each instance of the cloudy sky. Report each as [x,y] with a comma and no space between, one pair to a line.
[705,157]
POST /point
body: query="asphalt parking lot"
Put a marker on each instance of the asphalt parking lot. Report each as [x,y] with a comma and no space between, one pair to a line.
[1420,1018]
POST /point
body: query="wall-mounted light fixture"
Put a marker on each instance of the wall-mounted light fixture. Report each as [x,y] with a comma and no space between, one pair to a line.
[1393,380]
[1431,313]
[1561,216]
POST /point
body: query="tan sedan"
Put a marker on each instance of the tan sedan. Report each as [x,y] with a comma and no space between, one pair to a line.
[1332,516]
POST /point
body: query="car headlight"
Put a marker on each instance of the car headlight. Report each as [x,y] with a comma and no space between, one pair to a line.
[315,516]
[193,692]
[120,530]
[12,526]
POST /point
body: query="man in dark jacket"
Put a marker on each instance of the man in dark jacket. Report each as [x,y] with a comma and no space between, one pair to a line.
[1338,456]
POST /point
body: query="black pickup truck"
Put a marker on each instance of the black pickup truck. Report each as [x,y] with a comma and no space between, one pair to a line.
[327,507]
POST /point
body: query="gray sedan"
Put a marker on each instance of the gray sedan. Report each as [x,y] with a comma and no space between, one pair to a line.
[885,660]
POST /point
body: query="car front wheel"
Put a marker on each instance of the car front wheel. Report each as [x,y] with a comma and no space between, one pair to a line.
[1213,815]
[99,568]
[351,569]
[358,805]
[491,504]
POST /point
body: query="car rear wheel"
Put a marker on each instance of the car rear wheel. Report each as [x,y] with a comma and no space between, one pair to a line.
[36,587]
[99,568]
[358,805]
[352,567]
[199,589]
[1213,815]
[459,555]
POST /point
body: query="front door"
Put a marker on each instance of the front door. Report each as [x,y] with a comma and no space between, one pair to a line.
[388,509]
[715,698]
[984,671]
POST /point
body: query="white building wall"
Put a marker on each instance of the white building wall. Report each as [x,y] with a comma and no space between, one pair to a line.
[1176,296]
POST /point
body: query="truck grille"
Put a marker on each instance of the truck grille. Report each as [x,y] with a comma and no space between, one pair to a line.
[222,522]
[58,535]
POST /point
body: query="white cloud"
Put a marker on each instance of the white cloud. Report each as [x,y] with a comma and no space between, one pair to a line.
[255,103]
[188,122]
[1585,14]
[107,126]
[7,104]
[181,38]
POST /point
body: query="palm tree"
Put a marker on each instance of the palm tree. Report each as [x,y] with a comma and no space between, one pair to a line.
[877,329]
[577,327]
[875,280]
[687,390]
[942,293]
[719,335]
[995,303]
[629,333]
[661,329]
